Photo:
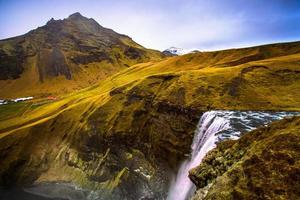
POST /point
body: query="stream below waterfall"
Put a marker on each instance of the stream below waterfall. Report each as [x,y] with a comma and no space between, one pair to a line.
[213,127]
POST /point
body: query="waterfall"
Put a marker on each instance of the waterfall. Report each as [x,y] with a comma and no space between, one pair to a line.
[204,140]
[213,127]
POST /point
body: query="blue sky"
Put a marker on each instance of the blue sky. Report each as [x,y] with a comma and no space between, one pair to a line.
[159,24]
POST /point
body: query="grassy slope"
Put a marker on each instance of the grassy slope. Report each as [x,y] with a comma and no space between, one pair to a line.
[83,76]
[208,81]
[149,101]
[263,164]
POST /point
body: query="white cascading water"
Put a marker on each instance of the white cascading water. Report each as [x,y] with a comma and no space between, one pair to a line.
[213,127]
[204,140]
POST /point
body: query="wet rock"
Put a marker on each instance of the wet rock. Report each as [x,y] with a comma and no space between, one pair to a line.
[257,166]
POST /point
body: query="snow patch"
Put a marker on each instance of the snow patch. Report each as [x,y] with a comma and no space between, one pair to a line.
[180,51]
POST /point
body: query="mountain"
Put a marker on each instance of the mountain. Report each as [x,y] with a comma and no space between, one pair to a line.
[126,136]
[65,55]
[174,51]
[262,164]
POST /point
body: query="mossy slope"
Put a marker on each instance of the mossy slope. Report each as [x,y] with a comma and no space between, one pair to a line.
[262,164]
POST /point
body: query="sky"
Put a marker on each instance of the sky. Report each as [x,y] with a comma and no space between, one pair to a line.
[160,24]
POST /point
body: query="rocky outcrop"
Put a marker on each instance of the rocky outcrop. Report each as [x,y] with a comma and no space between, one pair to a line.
[262,164]
[11,64]
[125,148]
[52,64]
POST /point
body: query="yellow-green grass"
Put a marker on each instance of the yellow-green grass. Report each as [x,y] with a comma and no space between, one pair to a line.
[192,72]
[203,75]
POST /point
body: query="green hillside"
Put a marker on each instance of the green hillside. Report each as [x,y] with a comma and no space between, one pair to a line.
[138,124]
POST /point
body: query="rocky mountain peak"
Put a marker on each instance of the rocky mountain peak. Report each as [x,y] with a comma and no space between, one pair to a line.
[64,47]
[76,15]
[83,23]
[51,20]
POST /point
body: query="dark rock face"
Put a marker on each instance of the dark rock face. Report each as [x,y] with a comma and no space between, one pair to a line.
[11,66]
[161,130]
[260,165]
[52,64]
[94,57]
[56,64]
[133,53]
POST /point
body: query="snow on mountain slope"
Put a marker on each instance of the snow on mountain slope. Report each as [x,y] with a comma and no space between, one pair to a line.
[178,51]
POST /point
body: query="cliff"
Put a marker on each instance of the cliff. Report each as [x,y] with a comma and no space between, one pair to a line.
[262,164]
